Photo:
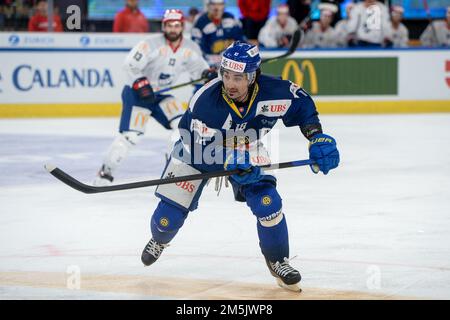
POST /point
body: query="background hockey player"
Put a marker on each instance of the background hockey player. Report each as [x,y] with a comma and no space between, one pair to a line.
[153,63]
[437,33]
[215,30]
[225,121]
[278,30]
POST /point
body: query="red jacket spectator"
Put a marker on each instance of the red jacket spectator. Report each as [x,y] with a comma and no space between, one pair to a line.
[39,21]
[254,16]
[255,10]
[130,19]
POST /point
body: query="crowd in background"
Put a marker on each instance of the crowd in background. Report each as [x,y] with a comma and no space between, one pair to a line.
[255,25]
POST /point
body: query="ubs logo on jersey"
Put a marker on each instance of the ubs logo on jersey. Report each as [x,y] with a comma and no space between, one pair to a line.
[202,129]
[186,185]
[273,108]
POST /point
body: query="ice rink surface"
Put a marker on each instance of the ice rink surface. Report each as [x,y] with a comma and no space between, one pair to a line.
[377,227]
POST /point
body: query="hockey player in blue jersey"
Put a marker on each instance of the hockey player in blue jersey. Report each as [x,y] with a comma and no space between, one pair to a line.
[215,30]
[222,129]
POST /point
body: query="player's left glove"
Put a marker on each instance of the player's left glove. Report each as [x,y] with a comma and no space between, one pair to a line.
[144,90]
[209,74]
[238,159]
[322,149]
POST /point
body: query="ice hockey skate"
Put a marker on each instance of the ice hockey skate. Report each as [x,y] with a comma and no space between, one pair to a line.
[152,251]
[103,178]
[287,277]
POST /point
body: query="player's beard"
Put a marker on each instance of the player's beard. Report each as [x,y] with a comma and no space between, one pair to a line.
[173,36]
[237,96]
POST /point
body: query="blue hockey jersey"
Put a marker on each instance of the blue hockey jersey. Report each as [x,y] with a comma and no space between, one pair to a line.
[213,122]
[212,38]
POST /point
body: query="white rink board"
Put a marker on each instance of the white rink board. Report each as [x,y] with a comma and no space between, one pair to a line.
[422,75]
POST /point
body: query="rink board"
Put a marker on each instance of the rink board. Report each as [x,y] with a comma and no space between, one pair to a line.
[324,107]
[79,75]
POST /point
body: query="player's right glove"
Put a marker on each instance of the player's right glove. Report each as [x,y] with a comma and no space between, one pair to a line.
[323,151]
[238,159]
[209,74]
[144,90]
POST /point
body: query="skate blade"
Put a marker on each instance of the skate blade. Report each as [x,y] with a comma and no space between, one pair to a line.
[290,287]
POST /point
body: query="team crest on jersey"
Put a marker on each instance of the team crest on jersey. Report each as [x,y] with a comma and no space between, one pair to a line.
[164,79]
[266,200]
[210,28]
[273,108]
[228,23]
[164,221]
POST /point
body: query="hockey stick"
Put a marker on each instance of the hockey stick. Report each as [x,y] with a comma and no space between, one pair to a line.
[75,184]
[296,38]
[179,85]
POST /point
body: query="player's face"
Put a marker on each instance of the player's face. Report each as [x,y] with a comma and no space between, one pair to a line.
[173,30]
[216,10]
[235,85]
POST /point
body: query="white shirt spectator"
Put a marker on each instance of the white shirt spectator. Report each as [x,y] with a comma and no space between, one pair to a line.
[271,34]
[437,34]
[369,21]
[319,38]
[399,36]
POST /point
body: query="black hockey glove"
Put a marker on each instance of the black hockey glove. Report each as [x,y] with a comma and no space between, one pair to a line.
[144,90]
[209,74]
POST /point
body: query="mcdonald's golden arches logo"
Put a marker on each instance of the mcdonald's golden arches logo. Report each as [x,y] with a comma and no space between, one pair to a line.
[142,118]
[299,73]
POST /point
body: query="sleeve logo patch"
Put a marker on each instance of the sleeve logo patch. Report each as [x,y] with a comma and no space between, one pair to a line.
[266,200]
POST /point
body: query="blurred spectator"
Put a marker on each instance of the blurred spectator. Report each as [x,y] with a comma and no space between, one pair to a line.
[39,21]
[14,14]
[215,30]
[437,34]
[254,16]
[130,19]
[369,24]
[335,4]
[341,27]
[189,20]
[299,9]
[277,32]
[398,35]
[322,34]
